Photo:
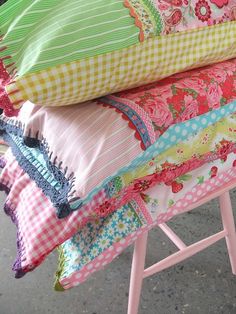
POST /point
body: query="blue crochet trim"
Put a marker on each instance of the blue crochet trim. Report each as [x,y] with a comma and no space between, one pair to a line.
[52,180]
[133,117]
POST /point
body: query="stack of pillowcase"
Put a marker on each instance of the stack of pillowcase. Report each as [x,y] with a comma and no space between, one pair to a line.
[88,174]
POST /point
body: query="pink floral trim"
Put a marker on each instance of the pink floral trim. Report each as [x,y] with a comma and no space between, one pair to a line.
[7,77]
[167,175]
[172,16]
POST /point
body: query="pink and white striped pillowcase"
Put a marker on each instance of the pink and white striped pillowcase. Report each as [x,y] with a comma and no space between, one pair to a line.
[106,143]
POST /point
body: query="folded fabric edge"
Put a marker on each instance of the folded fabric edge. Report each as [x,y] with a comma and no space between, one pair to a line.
[8,209]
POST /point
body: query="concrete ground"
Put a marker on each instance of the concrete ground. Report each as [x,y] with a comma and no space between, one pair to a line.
[202,284]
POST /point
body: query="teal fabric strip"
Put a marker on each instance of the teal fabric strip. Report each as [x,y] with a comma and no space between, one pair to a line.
[36,158]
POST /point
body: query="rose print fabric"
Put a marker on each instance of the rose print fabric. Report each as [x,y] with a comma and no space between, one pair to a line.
[179,98]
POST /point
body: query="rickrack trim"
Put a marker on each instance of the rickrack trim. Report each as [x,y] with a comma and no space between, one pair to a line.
[146,18]
[138,23]
[133,119]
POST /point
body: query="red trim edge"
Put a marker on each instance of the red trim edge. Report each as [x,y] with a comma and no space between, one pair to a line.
[7,76]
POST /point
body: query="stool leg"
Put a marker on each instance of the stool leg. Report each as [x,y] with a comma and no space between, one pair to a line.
[229,226]
[136,277]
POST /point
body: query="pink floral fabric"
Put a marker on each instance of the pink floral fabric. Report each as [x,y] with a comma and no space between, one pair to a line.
[162,17]
[186,95]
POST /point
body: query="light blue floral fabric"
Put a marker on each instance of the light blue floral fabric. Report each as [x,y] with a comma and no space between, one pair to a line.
[97,236]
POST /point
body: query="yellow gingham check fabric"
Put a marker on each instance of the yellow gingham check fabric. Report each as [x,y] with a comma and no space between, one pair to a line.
[146,62]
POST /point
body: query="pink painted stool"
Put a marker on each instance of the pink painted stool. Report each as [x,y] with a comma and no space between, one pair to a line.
[138,273]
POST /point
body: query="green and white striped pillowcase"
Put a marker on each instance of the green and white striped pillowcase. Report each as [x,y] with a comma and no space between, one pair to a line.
[89,29]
